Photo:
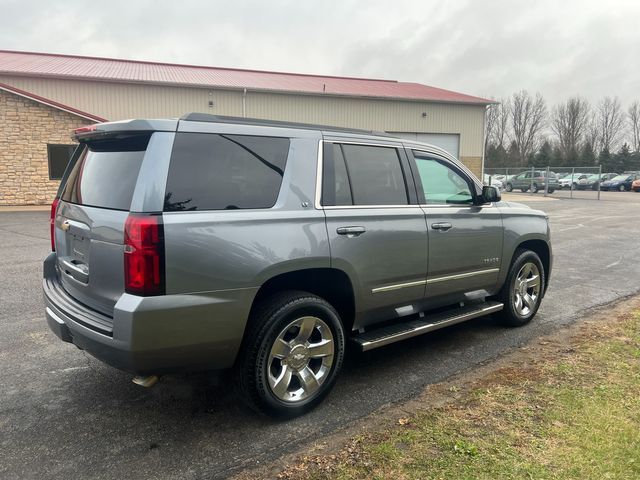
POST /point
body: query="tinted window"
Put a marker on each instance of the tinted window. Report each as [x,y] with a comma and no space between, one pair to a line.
[375,174]
[218,172]
[335,180]
[106,174]
[58,156]
[442,185]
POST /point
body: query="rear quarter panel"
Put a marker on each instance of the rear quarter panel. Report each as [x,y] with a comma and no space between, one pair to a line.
[232,249]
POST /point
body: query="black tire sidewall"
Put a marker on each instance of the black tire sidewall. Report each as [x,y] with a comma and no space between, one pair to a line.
[509,315]
[273,322]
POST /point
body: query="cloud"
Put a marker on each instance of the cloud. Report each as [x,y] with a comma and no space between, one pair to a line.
[491,47]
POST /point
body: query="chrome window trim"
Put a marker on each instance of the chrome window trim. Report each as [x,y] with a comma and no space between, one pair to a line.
[342,207]
[319,173]
[445,278]
[452,205]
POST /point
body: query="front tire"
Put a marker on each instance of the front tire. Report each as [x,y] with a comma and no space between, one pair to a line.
[292,354]
[622,188]
[534,188]
[522,291]
[509,187]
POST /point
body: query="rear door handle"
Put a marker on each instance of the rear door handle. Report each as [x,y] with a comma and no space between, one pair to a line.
[351,231]
[444,226]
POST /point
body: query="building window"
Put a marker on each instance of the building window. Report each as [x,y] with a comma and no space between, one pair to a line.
[59,156]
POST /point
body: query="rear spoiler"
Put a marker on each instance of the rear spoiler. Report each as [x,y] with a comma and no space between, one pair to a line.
[98,130]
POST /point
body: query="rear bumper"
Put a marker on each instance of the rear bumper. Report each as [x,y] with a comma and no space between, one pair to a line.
[152,335]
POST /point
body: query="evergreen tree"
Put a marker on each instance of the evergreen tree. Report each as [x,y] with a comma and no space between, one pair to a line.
[513,155]
[556,157]
[572,158]
[496,156]
[587,154]
[544,156]
[622,159]
[606,161]
[634,162]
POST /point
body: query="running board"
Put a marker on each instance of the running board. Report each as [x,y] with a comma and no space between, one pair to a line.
[400,331]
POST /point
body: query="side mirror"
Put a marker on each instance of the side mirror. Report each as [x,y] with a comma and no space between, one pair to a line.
[490,194]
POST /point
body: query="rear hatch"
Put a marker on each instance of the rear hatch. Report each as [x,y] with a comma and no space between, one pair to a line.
[90,220]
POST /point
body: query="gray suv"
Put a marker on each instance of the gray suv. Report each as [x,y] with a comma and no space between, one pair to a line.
[264,247]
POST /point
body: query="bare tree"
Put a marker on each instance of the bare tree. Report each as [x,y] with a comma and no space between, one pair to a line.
[528,117]
[570,122]
[634,125]
[610,123]
[497,122]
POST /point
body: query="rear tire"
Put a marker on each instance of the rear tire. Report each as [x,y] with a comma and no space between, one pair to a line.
[551,190]
[534,188]
[509,187]
[622,188]
[522,291]
[292,354]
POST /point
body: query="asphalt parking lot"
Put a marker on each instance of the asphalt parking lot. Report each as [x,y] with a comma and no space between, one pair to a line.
[65,415]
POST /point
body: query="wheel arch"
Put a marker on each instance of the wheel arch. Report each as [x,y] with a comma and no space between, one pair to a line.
[332,284]
[542,249]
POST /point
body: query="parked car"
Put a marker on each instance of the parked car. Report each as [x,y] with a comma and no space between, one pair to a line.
[592,181]
[635,186]
[622,182]
[493,181]
[571,179]
[206,243]
[535,180]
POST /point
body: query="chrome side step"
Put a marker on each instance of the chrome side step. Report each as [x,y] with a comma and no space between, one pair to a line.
[400,331]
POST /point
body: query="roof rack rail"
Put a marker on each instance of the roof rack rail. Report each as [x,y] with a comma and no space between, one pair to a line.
[207,117]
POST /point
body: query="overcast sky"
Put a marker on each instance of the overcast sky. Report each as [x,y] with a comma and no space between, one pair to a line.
[483,47]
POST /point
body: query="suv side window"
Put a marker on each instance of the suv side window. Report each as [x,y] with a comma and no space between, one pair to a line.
[336,189]
[225,172]
[375,175]
[442,185]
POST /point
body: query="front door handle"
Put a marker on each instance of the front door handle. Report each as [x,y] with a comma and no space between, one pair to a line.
[443,226]
[351,231]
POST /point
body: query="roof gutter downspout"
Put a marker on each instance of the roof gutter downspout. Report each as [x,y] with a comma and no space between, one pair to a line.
[484,141]
[244,103]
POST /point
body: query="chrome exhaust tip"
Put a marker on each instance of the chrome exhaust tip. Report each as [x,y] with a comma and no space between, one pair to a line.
[146,381]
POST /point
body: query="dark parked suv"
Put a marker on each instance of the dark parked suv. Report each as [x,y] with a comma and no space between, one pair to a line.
[217,243]
[533,180]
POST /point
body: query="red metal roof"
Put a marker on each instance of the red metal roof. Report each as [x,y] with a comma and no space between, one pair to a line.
[51,103]
[109,69]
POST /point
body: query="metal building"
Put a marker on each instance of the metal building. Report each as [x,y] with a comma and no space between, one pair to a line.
[50,94]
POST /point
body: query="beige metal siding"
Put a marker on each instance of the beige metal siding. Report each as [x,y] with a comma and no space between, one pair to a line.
[117,101]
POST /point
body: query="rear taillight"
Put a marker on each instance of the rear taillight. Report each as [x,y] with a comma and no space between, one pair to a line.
[85,129]
[144,255]
[52,223]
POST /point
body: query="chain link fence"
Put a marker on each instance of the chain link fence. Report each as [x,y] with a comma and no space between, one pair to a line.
[550,180]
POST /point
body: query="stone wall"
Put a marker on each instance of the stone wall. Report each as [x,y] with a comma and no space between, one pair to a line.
[474,164]
[26,127]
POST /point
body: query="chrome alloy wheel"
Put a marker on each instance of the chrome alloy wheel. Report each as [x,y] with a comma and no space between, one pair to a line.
[526,289]
[300,359]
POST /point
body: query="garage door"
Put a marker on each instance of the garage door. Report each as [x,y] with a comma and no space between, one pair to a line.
[447,141]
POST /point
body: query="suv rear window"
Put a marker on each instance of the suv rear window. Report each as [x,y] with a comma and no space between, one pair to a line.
[224,172]
[105,175]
